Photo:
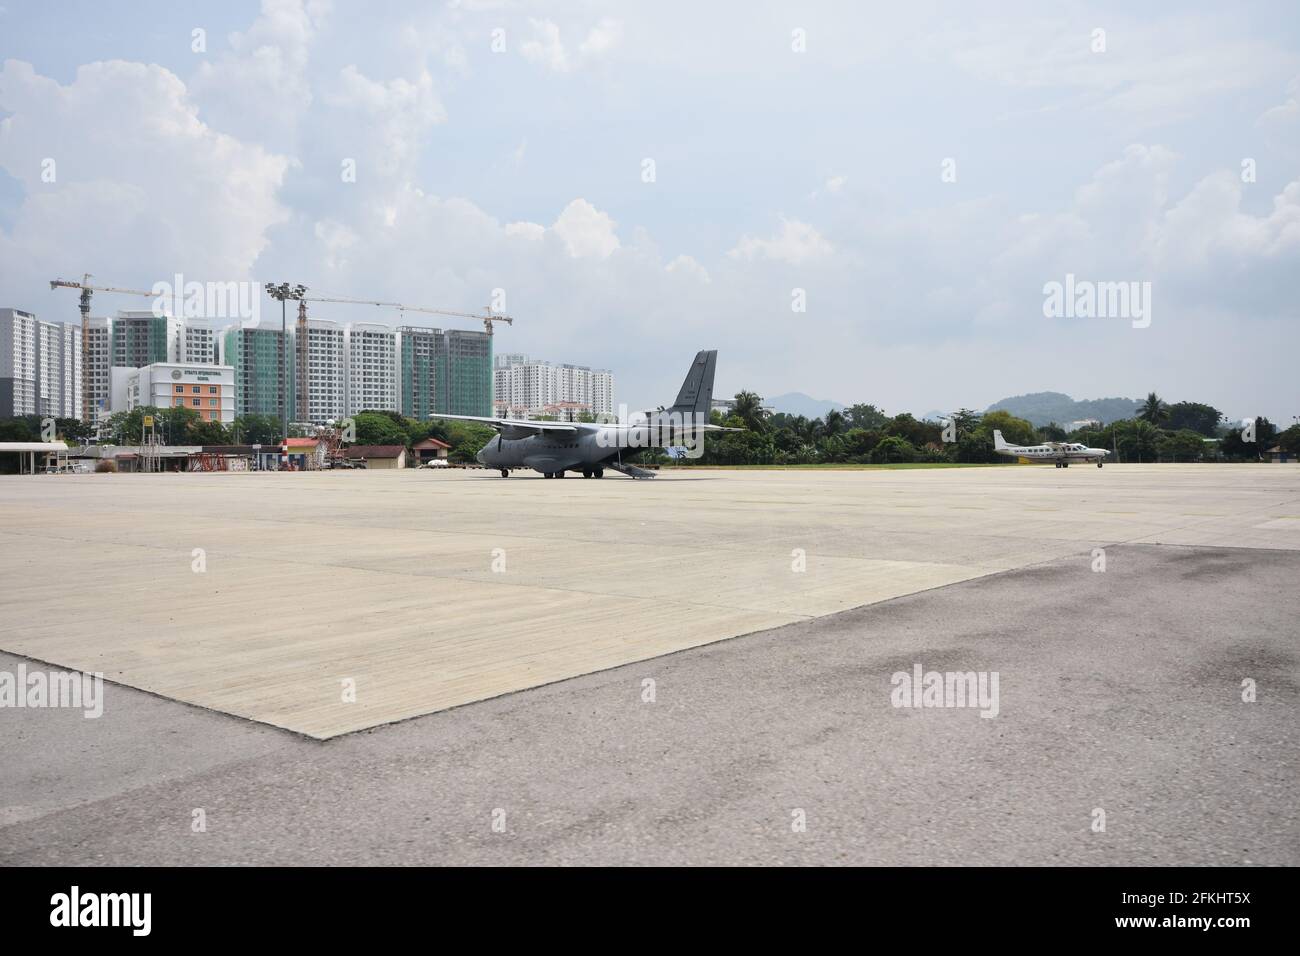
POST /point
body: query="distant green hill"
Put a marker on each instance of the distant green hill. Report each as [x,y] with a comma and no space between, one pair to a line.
[1039,408]
[797,403]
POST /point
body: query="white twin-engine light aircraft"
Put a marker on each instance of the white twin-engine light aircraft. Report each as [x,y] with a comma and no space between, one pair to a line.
[1060,453]
[554,448]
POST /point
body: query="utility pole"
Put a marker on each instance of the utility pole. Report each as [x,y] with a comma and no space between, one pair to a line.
[284,292]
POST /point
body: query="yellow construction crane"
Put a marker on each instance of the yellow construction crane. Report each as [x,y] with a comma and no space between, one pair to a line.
[487,317]
[86,290]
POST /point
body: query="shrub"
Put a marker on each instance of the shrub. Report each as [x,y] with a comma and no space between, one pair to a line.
[893,449]
[106,466]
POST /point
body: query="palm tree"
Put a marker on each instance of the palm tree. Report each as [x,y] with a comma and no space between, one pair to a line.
[1137,439]
[834,422]
[1153,410]
[748,407]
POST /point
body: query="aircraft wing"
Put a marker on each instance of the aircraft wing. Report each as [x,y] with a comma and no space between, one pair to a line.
[679,427]
[515,426]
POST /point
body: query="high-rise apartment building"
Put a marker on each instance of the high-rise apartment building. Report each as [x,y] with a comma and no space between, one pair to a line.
[258,356]
[322,381]
[526,388]
[468,388]
[58,378]
[95,364]
[17,363]
[139,338]
[131,339]
[371,352]
[192,341]
[446,371]
[421,351]
[333,370]
[40,366]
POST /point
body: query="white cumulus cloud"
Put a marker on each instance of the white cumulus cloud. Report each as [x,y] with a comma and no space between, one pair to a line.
[546,47]
[586,231]
[142,185]
[796,242]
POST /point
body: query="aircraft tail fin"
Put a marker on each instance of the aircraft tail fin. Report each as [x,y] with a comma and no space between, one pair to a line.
[696,395]
[999,443]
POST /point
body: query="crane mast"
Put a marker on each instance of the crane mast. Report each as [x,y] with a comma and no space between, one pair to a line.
[84,307]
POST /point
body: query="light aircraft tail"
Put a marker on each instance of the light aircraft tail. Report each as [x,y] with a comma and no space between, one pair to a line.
[999,444]
[696,395]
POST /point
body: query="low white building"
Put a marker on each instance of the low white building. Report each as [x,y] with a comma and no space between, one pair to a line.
[206,389]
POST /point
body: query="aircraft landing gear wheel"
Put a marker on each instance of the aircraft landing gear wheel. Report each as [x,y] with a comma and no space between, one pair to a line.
[1098,464]
[586,472]
[599,472]
[504,473]
[1057,464]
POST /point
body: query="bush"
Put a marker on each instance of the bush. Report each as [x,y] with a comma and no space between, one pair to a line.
[106,466]
[893,449]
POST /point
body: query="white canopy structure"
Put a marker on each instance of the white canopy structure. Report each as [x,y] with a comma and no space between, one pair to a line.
[28,450]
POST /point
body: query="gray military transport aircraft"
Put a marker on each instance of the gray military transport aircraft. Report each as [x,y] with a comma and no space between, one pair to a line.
[554,448]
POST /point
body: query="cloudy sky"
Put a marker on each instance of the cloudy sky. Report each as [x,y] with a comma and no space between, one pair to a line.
[648,179]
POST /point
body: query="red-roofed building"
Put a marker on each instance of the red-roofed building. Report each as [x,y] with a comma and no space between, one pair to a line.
[430,449]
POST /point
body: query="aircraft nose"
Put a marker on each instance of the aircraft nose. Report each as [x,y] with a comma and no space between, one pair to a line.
[478,457]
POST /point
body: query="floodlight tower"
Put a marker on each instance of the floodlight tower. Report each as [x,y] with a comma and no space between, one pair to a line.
[284,291]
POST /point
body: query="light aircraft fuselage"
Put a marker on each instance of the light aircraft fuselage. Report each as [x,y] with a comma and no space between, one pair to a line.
[1059,453]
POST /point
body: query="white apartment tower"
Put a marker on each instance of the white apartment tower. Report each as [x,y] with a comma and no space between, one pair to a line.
[58,383]
[526,388]
[371,351]
[192,341]
[322,391]
[97,360]
[40,366]
[17,363]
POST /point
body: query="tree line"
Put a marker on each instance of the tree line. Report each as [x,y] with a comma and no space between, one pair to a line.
[863,434]
[859,434]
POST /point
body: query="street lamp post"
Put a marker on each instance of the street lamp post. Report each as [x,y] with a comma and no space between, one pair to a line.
[284,292]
